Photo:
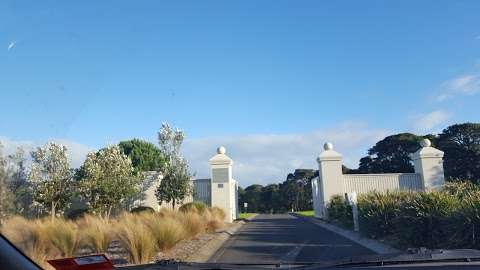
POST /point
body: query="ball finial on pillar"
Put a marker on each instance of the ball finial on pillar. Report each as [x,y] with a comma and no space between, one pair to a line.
[328,146]
[221,150]
[425,143]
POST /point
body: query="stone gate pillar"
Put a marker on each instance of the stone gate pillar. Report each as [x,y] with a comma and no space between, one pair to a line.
[428,162]
[330,179]
[223,186]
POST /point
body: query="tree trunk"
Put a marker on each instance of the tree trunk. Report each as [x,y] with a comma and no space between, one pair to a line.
[109,212]
[173,204]
[53,211]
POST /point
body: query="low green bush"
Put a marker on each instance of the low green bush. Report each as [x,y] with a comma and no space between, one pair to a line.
[142,209]
[377,212]
[464,224]
[446,218]
[424,219]
[200,207]
[76,214]
[340,211]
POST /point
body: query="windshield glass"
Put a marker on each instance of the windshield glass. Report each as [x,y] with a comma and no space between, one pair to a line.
[239,132]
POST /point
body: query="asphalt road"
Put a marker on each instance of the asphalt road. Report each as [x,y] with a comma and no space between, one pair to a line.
[284,238]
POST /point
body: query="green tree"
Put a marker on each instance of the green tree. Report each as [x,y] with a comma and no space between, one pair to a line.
[391,155]
[291,193]
[297,189]
[51,178]
[108,180]
[271,198]
[145,156]
[252,196]
[461,144]
[175,185]
[6,200]
[19,185]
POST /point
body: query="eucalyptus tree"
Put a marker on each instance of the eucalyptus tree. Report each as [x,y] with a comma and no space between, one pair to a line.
[107,180]
[51,178]
[6,201]
[19,186]
[175,185]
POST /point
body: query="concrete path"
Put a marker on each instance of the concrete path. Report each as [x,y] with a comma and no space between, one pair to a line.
[284,238]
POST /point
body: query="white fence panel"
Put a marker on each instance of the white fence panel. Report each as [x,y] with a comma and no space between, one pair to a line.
[364,183]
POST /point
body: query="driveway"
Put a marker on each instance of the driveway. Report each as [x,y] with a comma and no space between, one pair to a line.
[284,238]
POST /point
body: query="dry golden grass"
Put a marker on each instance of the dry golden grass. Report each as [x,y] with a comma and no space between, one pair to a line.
[59,234]
[193,223]
[136,238]
[95,232]
[141,235]
[167,231]
[213,221]
[218,213]
[26,236]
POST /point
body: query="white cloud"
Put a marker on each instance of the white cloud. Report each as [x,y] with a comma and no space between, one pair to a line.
[267,158]
[464,85]
[430,121]
[76,151]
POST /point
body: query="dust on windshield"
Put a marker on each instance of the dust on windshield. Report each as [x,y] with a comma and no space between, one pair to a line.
[251,133]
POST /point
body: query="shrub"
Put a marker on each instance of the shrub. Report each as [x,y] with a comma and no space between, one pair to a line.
[461,189]
[377,212]
[142,209]
[464,225]
[340,211]
[423,220]
[199,207]
[76,214]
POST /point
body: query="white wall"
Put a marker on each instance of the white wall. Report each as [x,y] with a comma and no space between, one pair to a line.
[428,176]
[364,183]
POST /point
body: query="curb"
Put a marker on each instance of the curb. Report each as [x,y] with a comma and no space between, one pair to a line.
[207,252]
[374,245]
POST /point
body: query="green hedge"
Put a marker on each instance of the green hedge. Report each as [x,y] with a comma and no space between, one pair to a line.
[449,218]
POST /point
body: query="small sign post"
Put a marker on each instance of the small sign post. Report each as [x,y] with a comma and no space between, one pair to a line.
[245,206]
[352,200]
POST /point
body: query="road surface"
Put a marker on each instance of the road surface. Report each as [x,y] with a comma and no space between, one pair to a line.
[283,238]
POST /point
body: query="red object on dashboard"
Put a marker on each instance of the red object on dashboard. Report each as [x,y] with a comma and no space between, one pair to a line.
[91,262]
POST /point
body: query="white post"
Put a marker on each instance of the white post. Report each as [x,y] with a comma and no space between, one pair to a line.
[352,200]
[428,162]
[223,187]
[330,179]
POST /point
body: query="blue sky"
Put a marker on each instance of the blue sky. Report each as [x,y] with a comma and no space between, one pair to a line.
[272,80]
